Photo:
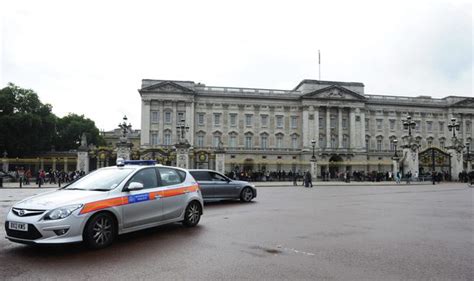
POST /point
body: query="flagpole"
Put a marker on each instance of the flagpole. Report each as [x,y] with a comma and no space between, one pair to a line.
[319,63]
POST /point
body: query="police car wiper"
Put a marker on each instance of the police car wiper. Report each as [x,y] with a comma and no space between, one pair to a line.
[100,189]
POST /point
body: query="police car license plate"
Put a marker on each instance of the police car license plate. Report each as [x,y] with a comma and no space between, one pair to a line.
[18,226]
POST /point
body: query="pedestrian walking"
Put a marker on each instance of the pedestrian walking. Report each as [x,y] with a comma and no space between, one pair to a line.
[295,179]
[308,179]
[433,177]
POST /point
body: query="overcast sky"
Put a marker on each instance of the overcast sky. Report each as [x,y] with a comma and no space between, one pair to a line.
[88,57]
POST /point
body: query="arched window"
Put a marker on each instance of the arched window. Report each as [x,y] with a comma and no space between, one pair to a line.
[264,141]
[279,141]
[200,139]
[167,137]
[379,143]
[322,140]
[248,140]
[233,140]
[294,141]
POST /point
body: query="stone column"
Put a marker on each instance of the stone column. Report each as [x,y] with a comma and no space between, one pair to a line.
[328,128]
[54,163]
[455,151]
[182,156]
[305,132]
[145,132]
[410,158]
[310,126]
[161,126]
[190,118]
[316,125]
[339,125]
[220,162]
[83,161]
[42,164]
[362,130]
[352,129]
[123,150]
[395,167]
[314,170]
[5,164]
[65,164]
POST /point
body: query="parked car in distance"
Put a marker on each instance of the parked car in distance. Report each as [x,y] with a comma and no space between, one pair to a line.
[6,176]
[216,186]
[131,196]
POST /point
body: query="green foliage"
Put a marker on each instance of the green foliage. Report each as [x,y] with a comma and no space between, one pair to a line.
[28,126]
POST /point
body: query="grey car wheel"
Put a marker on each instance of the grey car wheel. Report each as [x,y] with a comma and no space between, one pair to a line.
[100,231]
[192,215]
[246,195]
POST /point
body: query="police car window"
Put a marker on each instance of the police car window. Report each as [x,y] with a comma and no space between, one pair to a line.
[170,176]
[147,177]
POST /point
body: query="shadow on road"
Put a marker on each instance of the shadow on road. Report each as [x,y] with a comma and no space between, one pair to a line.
[131,244]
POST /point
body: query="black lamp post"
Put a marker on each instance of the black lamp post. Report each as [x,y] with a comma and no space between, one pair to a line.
[468,156]
[313,158]
[453,126]
[125,128]
[409,124]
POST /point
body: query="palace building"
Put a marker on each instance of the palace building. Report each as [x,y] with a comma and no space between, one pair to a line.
[278,130]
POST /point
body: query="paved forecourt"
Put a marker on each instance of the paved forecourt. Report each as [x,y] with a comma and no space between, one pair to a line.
[406,232]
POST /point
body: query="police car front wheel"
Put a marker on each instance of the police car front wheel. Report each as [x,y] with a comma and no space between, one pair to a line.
[100,231]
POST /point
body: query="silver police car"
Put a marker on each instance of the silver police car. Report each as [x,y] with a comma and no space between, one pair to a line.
[105,203]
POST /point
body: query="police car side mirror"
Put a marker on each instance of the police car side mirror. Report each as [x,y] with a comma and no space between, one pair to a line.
[135,186]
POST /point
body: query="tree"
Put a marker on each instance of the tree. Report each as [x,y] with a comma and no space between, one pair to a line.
[28,126]
[70,129]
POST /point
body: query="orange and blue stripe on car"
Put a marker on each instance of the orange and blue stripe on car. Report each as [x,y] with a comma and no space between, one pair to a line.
[136,198]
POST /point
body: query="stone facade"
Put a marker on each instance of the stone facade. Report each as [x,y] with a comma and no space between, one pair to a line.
[271,130]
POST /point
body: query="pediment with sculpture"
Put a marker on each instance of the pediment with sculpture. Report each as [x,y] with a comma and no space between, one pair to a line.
[335,93]
[168,87]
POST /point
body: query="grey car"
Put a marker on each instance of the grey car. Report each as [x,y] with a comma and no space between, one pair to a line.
[216,186]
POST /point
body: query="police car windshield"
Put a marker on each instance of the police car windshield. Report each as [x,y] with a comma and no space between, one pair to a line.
[101,180]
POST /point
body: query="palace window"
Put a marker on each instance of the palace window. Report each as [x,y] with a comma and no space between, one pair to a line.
[333,122]
[154,138]
[279,121]
[379,144]
[217,119]
[216,140]
[392,144]
[322,141]
[429,126]
[248,120]
[180,117]
[333,142]
[154,116]
[294,122]
[200,140]
[468,127]
[441,127]
[279,141]
[294,141]
[418,125]
[344,123]
[233,141]
[392,125]
[248,141]
[167,117]
[379,124]
[442,143]
[264,120]
[429,142]
[321,123]
[345,142]
[167,139]
[367,143]
[201,119]
[233,119]
[367,124]
[264,141]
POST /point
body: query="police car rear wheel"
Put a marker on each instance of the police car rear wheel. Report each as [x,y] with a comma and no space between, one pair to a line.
[100,231]
[192,215]
[246,195]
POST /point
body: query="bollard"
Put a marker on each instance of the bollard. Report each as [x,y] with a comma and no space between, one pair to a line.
[21,182]
[59,182]
[40,182]
[1,182]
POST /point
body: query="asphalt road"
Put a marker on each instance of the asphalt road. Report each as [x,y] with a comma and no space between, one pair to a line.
[288,233]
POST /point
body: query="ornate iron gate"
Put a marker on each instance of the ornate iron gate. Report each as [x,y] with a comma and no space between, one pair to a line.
[434,159]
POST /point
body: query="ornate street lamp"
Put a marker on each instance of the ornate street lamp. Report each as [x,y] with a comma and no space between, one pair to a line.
[313,158]
[125,128]
[395,142]
[409,124]
[468,156]
[182,129]
[453,126]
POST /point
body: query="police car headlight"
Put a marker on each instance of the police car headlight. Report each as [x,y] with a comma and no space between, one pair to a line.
[61,213]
